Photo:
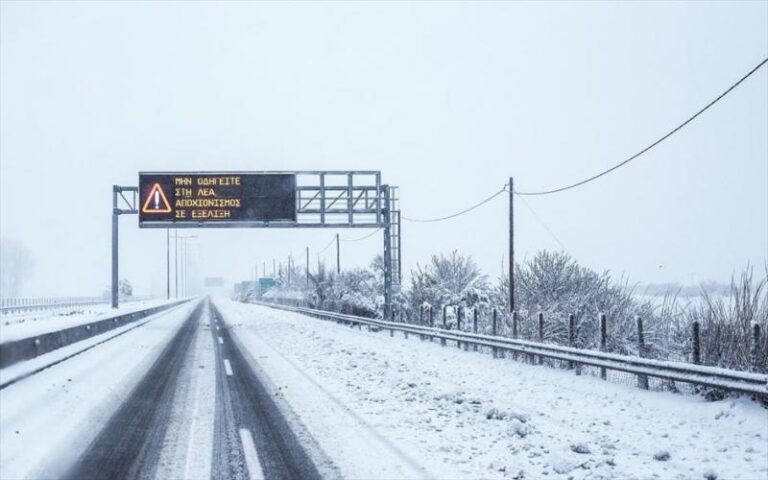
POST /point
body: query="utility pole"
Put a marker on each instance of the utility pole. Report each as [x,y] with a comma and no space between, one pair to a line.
[274,268]
[185,252]
[186,269]
[511,247]
[307,272]
[183,267]
[168,263]
[115,238]
[338,255]
[176,262]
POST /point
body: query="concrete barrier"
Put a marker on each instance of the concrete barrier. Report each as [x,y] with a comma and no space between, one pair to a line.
[27,348]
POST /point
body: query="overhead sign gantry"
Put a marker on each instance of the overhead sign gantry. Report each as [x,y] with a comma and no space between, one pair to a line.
[268,199]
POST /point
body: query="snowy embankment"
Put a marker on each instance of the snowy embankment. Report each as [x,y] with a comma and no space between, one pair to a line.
[381,406]
[30,324]
[48,419]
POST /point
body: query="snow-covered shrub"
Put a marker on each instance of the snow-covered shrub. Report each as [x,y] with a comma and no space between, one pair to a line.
[727,324]
[454,280]
[554,284]
[354,292]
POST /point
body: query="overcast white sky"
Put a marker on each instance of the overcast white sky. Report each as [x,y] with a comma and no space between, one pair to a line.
[447,100]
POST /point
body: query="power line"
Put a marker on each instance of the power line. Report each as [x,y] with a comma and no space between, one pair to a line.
[361,238]
[327,246]
[669,134]
[454,215]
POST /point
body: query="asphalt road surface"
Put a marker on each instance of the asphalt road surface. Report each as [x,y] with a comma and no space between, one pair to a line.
[251,437]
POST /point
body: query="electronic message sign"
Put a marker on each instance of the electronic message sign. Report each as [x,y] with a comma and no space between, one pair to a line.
[215,199]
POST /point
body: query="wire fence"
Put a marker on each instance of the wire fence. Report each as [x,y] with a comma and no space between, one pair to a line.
[28,304]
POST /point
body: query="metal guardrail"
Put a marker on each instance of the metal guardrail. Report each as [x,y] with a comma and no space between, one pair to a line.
[731,380]
[16,351]
[18,305]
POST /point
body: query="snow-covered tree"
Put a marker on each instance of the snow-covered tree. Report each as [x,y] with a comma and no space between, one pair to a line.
[16,267]
[125,288]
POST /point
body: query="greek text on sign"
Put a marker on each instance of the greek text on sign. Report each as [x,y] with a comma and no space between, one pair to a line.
[210,199]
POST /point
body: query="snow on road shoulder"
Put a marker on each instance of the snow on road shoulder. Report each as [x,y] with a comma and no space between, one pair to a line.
[466,415]
[48,419]
[340,442]
[29,324]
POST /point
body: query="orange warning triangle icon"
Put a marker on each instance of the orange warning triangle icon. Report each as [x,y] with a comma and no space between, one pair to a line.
[156,201]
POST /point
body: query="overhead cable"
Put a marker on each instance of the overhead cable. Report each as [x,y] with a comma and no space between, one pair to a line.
[641,152]
[462,212]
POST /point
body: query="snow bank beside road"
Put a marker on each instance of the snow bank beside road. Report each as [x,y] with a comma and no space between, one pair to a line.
[464,415]
[30,324]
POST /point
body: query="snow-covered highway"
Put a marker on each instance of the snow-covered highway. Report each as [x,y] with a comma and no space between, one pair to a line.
[219,389]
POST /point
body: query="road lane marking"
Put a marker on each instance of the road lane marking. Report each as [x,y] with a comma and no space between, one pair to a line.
[227,367]
[251,457]
[192,430]
[221,341]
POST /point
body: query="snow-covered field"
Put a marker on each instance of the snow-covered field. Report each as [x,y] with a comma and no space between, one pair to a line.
[390,407]
[29,324]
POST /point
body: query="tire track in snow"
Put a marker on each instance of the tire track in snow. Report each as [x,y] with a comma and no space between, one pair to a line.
[129,446]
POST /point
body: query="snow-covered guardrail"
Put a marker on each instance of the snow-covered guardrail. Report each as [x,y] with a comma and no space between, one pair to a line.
[27,348]
[17,305]
[730,380]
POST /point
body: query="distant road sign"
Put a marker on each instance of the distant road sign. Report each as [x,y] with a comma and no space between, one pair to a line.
[213,282]
[171,199]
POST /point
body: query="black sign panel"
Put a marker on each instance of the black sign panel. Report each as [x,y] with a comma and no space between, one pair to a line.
[208,199]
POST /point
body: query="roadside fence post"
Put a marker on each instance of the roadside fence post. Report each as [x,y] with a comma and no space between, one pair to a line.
[541,334]
[755,347]
[603,338]
[445,313]
[571,336]
[404,319]
[696,340]
[431,323]
[422,323]
[458,324]
[642,380]
[493,333]
[514,335]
